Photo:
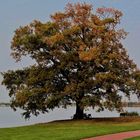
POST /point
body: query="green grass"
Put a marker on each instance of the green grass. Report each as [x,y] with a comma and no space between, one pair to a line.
[135,138]
[67,130]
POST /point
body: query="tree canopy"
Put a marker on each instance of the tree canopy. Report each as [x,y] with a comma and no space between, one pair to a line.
[79,58]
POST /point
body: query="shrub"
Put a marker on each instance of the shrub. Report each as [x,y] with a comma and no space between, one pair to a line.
[124,114]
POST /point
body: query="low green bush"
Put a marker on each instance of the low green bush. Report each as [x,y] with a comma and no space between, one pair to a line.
[124,114]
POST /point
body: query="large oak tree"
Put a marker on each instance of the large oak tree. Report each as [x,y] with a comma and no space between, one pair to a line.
[79,58]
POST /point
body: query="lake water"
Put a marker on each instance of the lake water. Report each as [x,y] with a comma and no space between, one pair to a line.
[9,118]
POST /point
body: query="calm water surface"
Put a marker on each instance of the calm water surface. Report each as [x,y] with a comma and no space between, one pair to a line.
[9,118]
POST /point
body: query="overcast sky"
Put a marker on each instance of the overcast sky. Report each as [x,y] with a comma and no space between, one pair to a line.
[15,13]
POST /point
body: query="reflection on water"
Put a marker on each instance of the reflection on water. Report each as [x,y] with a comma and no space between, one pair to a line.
[9,118]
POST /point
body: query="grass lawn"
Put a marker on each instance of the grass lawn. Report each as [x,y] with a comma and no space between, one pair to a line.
[135,138]
[69,130]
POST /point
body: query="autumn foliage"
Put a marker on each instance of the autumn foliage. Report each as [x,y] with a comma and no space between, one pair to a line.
[79,58]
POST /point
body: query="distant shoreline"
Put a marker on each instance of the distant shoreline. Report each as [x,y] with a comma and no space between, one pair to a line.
[4,104]
[131,104]
[125,104]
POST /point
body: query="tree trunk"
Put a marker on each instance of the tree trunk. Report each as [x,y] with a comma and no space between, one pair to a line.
[79,112]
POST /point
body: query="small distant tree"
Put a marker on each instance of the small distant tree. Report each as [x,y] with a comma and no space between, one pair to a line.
[79,58]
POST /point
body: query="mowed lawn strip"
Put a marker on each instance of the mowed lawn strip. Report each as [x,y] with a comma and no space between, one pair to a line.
[135,138]
[67,130]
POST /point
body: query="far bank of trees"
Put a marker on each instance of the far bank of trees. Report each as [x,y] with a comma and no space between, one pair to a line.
[4,104]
